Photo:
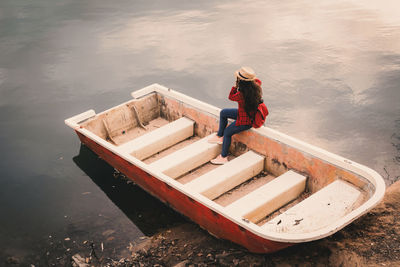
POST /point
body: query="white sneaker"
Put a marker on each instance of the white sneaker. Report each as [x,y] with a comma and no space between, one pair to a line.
[220,160]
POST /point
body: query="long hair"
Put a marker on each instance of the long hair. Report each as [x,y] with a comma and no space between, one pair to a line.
[252,94]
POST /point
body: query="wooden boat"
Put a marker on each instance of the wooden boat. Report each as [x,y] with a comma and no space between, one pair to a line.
[275,191]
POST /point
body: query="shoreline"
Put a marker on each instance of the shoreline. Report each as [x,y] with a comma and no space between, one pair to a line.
[372,240]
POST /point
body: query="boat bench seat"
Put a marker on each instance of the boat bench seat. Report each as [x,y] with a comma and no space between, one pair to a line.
[187,158]
[269,197]
[159,139]
[317,211]
[227,176]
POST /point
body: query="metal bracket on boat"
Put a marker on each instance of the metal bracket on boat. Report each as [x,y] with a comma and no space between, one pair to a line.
[137,116]
[108,131]
[74,121]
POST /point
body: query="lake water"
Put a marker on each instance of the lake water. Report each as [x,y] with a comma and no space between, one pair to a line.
[330,72]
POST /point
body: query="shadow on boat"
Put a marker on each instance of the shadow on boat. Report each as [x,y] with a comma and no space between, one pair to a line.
[146,212]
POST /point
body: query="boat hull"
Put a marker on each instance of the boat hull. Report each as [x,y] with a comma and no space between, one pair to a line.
[348,188]
[214,223]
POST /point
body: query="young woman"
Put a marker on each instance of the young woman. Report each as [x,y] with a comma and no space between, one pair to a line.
[248,93]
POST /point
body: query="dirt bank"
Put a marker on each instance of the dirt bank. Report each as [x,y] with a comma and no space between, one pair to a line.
[372,240]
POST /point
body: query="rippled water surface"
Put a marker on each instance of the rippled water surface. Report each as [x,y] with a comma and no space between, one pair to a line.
[330,72]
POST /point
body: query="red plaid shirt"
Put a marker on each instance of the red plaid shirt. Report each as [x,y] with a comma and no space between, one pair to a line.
[242,117]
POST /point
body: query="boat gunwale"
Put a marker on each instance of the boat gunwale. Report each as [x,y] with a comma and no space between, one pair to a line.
[372,176]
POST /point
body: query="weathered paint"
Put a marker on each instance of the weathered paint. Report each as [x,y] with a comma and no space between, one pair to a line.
[122,117]
[172,109]
[279,156]
[213,222]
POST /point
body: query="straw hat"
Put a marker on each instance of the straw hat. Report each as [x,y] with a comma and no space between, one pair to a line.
[246,74]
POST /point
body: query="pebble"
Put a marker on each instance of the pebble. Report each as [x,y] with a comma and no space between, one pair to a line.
[108,232]
[182,263]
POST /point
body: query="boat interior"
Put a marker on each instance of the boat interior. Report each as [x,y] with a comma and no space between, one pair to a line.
[256,185]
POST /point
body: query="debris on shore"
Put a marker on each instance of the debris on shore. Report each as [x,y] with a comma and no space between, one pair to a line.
[373,240]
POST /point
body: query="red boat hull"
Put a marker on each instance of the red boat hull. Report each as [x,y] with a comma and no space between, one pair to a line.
[208,219]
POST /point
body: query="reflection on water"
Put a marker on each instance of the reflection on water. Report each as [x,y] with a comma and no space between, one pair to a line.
[135,203]
[330,72]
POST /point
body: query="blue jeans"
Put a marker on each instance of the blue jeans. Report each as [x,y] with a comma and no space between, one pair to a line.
[227,132]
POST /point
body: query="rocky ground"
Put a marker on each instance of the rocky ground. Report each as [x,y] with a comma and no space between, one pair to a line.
[372,240]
